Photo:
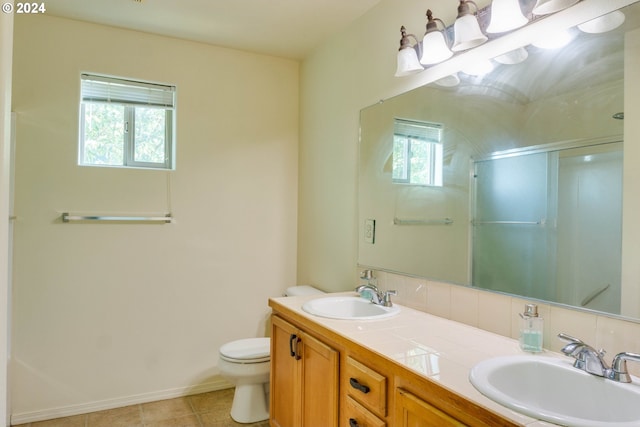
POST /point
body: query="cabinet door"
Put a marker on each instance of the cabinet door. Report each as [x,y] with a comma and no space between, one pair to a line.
[304,379]
[411,411]
[319,384]
[285,397]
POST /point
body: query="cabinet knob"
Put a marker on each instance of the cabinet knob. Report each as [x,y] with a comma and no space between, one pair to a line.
[361,387]
[353,422]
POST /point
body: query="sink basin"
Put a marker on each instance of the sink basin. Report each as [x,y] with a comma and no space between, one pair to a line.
[553,390]
[350,308]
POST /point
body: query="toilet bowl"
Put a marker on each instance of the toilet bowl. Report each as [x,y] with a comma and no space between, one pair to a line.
[246,363]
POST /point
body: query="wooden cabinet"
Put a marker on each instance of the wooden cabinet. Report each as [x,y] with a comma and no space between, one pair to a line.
[304,378]
[323,378]
[411,411]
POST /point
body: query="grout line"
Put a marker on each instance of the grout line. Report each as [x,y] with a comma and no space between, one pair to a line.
[193,410]
[199,419]
[142,421]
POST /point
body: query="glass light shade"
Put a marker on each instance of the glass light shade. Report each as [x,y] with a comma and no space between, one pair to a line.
[545,7]
[478,68]
[434,48]
[554,41]
[604,23]
[408,62]
[515,56]
[449,81]
[506,15]
[467,33]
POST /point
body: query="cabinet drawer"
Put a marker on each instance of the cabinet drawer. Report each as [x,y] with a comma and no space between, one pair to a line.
[356,415]
[366,386]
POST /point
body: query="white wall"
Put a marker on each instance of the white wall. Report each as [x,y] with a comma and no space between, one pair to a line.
[6,49]
[109,314]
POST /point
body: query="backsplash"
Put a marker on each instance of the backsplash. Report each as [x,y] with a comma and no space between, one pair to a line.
[498,313]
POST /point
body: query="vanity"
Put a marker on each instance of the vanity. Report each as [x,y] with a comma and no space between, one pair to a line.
[407,370]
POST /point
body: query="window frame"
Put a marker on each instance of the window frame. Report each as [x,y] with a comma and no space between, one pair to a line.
[410,132]
[130,103]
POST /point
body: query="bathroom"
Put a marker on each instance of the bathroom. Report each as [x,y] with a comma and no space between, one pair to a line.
[102,313]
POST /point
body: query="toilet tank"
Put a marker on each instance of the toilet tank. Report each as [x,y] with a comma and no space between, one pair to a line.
[301,290]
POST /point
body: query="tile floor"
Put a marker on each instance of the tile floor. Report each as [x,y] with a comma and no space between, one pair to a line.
[200,410]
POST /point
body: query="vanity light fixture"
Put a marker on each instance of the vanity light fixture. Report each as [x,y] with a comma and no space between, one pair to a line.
[407,56]
[604,23]
[467,33]
[499,17]
[506,15]
[434,43]
[545,7]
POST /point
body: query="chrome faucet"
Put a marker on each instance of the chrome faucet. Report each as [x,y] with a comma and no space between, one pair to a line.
[377,296]
[587,358]
[592,361]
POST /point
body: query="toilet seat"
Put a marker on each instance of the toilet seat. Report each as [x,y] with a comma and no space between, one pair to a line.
[250,350]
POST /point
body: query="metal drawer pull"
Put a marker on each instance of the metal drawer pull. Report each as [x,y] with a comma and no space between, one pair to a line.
[291,338]
[355,384]
[294,351]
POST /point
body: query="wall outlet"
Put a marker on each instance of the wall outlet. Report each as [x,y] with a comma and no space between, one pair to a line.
[370,231]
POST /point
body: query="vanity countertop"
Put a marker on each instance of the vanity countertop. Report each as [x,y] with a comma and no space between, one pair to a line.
[442,350]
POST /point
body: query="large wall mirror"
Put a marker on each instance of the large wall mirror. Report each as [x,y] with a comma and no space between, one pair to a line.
[509,181]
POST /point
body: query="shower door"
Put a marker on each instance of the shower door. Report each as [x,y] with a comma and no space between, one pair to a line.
[548,225]
[513,247]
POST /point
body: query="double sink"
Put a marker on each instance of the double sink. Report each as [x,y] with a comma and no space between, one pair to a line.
[543,387]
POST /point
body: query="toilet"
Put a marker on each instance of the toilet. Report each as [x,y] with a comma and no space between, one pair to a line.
[246,363]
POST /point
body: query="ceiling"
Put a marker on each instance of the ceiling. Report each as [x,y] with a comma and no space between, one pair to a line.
[284,28]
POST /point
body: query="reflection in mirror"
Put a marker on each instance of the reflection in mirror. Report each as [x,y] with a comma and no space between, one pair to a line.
[548,225]
[530,197]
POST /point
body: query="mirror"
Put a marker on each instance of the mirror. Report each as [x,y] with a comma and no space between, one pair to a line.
[510,181]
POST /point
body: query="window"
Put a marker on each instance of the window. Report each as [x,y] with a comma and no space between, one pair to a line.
[126,123]
[417,153]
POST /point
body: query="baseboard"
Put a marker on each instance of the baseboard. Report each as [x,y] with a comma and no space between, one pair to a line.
[84,408]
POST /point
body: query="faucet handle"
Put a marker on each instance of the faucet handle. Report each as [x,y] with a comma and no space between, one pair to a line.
[574,345]
[386,298]
[569,338]
[618,371]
